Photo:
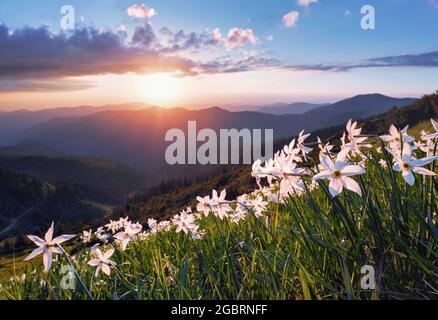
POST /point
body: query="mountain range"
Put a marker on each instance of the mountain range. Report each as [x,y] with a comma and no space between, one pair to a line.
[136,137]
[294,108]
[14,122]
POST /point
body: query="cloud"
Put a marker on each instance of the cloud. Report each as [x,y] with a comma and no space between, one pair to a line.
[236,37]
[181,41]
[145,37]
[429,59]
[290,20]
[423,60]
[37,54]
[270,38]
[141,11]
[44,85]
[34,59]
[306,3]
[122,28]
[228,65]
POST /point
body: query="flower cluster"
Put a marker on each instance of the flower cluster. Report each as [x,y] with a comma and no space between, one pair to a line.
[291,172]
[402,147]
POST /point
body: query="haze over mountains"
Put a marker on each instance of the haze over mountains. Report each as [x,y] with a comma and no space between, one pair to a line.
[11,123]
[294,108]
[136,137]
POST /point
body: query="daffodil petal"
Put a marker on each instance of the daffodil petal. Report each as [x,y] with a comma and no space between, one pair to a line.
[34,253]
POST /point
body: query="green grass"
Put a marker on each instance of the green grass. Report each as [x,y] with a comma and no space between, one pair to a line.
[423,125]
[311,247]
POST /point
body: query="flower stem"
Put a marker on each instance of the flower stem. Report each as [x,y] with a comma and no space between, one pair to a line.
[76,273]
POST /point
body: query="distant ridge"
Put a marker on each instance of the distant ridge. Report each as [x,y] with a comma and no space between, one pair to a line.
[14,122]
[136,137]
[294,108]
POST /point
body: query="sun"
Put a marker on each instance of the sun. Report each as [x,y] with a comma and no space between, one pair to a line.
[161,89]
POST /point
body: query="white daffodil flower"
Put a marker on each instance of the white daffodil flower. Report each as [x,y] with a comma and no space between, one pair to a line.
[186,223]
[406,164]
[102,261]
[324,149]
[396,137]
[204,205]
[339,174]
[86,236]
[435,126]
[47,247]
[300,144]
[127,235]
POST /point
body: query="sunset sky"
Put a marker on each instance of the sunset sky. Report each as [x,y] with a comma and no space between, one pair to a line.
[198,53]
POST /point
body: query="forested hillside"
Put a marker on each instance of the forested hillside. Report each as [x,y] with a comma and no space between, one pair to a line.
[114,180]
[27,202]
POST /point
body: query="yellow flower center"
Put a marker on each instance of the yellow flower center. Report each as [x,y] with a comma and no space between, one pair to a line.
[405,166]
[336,174]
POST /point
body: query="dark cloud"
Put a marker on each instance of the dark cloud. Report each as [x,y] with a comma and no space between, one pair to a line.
[44,86]
[429,59]
[228,65]
[182,41]
[425,60]
[38,55]
[34,59]
[145,37]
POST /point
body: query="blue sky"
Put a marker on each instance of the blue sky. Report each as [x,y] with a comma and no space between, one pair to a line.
[326,44]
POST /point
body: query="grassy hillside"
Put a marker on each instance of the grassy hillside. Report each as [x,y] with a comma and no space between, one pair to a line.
[311,243]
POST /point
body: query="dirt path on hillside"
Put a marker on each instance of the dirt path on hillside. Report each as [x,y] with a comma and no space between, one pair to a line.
[14,221]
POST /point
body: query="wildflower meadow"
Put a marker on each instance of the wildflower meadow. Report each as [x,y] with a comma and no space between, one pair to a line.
[323,211]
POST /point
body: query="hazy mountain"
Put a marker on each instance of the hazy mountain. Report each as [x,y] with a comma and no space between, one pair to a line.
[294,108]
[30,147]
[363,105]
[357,107]
[12,123]
[136,138]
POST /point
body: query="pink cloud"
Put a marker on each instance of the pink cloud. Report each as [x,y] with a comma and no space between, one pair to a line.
[141,11]
[236,37]
[290,19]
[306,3]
